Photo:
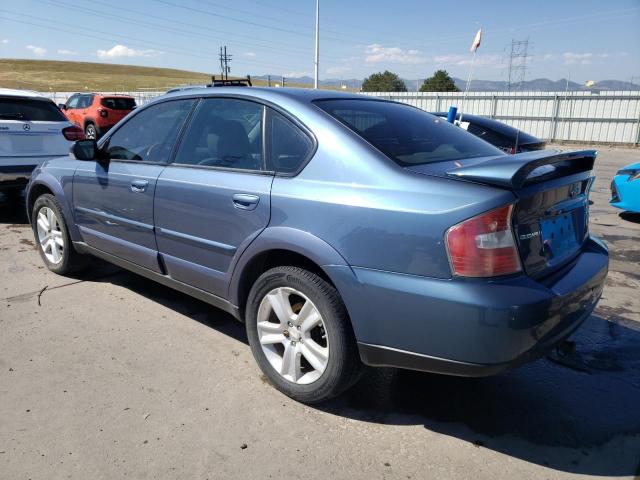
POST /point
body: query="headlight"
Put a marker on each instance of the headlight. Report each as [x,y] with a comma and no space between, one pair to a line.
[633,174]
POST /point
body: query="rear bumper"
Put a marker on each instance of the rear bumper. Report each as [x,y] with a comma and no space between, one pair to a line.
[15,175]
[471,327]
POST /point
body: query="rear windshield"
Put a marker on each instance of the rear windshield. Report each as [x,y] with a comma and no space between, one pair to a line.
[405,134]
[27,109]
[118,103]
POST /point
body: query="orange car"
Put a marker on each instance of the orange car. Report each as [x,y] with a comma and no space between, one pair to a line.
[97,113]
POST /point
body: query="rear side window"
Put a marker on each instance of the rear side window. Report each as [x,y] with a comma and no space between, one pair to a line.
[289,147]
[118,103]
[30,110]
[405,134]
[150,134]
[224,132]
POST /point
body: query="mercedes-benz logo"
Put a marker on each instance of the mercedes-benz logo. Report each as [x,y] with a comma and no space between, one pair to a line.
[26,127]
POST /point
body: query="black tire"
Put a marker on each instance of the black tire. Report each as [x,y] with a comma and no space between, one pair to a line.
[71,260]
[343,367]
[91,131]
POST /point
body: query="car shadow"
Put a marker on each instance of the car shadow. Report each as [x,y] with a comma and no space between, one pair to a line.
[630,217]
[558,412]
[13,210]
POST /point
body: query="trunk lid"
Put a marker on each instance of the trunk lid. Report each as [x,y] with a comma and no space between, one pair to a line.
[551,214]
[31,127]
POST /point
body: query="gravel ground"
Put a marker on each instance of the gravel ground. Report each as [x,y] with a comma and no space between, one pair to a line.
[108,375]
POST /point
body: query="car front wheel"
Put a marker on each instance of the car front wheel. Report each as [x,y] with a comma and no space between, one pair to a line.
[52,236]
[300,335]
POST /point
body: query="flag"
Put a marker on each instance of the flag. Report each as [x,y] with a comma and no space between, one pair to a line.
[476,41]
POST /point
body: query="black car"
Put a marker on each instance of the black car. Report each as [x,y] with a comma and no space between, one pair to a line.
[501,135]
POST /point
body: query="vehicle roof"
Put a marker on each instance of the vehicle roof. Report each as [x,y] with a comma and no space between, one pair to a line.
[10,92]
[270,93]
[117,95]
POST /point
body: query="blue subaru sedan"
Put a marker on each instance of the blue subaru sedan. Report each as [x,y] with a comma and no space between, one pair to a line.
[343,230]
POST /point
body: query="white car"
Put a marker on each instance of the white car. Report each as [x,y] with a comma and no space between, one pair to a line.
[32,130]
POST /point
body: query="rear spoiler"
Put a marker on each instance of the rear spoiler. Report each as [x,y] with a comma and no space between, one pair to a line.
[514,171]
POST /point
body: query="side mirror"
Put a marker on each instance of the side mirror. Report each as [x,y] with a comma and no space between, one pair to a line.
[62,106]
[85,150]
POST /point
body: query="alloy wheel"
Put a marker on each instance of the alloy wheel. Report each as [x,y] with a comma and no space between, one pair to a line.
[292,335]
[50,235]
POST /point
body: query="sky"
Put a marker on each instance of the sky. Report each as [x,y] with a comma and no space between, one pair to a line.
[582,40]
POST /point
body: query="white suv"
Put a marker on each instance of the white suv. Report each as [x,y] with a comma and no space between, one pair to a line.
[32,130]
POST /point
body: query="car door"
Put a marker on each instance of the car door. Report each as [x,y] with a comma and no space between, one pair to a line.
[84,108]
[113,199]
[214,198]
[71,110]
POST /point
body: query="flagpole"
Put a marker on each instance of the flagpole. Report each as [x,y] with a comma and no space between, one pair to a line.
[466,89]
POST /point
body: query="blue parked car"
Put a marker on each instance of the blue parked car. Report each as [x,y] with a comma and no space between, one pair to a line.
[343,230]
[625,188]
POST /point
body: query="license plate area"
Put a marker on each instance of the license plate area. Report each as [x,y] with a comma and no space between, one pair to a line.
[559,237]
[26,143]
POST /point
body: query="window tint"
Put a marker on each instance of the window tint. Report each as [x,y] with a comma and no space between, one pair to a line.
[150,135]
[119,103]
[289,146]
[405,134]
[27,109]
[224,133]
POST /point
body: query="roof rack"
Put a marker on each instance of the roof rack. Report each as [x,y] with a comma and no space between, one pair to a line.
[225,82]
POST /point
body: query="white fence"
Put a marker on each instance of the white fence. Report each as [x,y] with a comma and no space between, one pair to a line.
[607,117]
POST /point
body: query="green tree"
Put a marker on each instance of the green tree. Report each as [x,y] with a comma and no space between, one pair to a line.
[440,82]
[383,82]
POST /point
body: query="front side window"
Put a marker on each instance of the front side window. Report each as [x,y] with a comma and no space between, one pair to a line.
[150,134]
[289,146]
[224,132]
[85,101]
[405,134]
[73,102]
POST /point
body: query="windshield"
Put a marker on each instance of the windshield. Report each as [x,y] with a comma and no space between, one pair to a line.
[405,134]
[29,110]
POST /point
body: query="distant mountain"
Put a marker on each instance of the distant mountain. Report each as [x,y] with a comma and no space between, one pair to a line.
[477,85]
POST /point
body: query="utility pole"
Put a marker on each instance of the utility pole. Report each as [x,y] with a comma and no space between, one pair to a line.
[518,55]
[283,81]
[317,62]
[224,62]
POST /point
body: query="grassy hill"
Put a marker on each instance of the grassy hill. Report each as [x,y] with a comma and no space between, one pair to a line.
[56,76]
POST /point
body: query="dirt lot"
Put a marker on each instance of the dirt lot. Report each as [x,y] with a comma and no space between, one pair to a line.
[108,375]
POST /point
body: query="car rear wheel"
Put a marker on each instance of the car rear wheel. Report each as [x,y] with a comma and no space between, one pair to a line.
[52,236]
[90,131]
[300,335]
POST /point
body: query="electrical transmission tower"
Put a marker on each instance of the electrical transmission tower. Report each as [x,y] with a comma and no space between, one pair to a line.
[518,56]
[225,59]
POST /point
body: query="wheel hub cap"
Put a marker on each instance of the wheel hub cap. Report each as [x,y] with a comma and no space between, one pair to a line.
[292,335]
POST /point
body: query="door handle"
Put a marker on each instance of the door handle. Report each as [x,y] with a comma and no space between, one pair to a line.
[139,186]
[245,201]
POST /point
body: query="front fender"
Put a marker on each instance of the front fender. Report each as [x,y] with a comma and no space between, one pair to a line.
[61,188]
[293,240]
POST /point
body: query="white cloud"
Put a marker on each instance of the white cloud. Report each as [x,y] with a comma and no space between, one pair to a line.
[4,41]
[465,60]
[37,51]
[338,70]
[571,58]
[64,51]
[249,54]
[296,74]
[376,53]
[123,51]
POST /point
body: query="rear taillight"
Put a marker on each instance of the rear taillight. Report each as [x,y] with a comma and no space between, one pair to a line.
[73,133]
[484,246]
[103,113]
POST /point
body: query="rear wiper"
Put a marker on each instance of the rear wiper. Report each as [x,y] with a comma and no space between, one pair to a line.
[16,116]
